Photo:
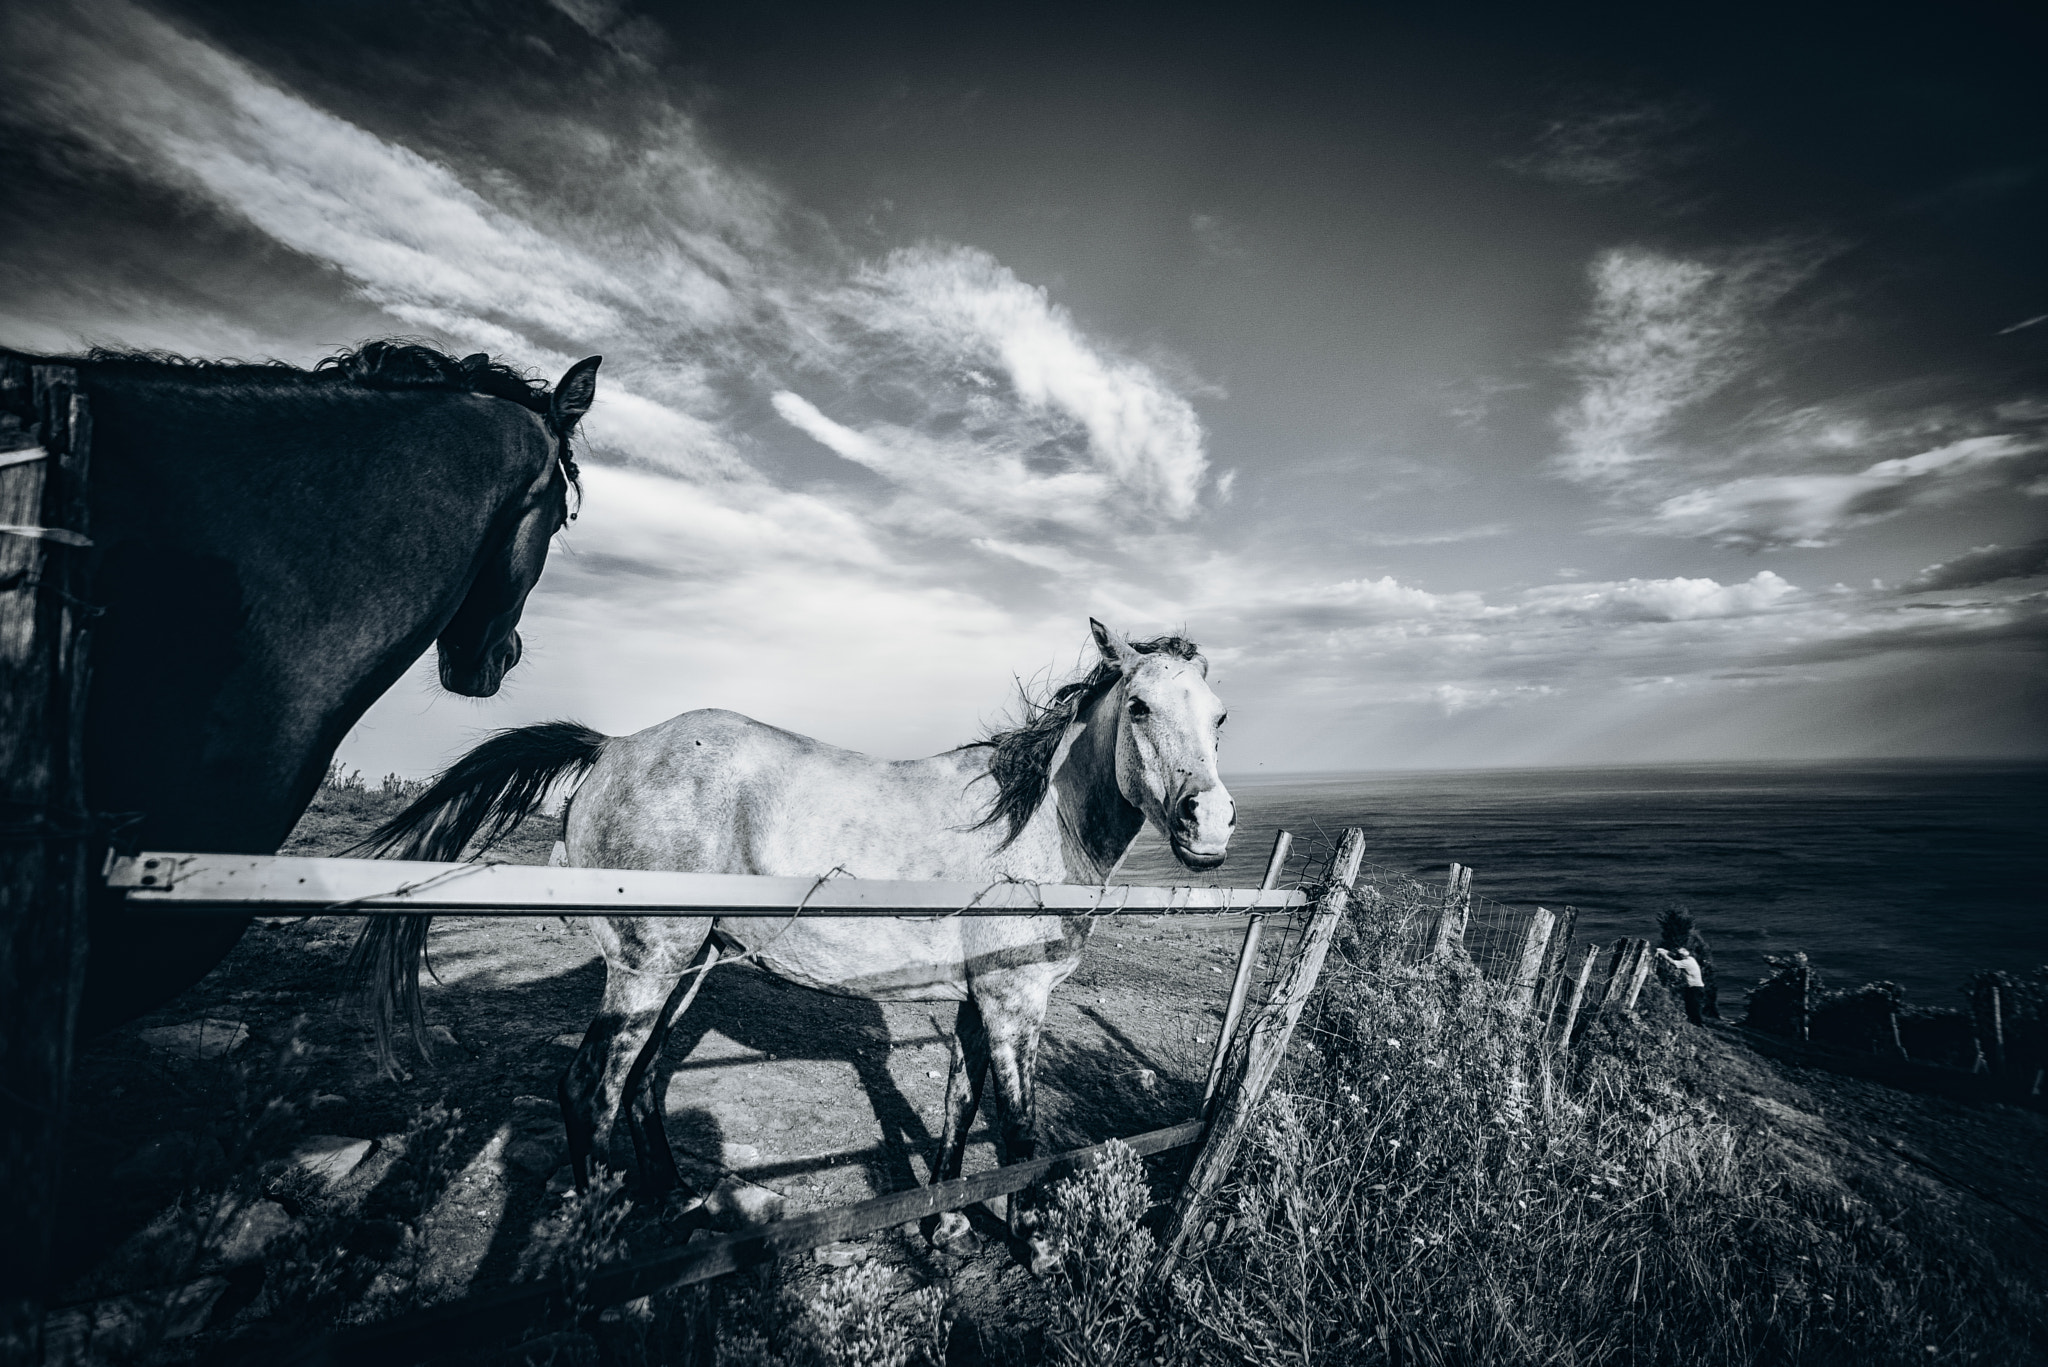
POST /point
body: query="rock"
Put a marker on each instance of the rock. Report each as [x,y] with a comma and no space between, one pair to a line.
[561,1182]
[570,1041]
[125,1325]
[931,1072]
[441,1034]
[1146,1079]
[251,1233]
[321,1099]
[840,1255]
[735,1203]
[201,1039]
[527,1105]
[740,1155]
[331,1157]
[533,1155]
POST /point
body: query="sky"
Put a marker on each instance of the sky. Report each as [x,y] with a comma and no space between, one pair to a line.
[1478,390]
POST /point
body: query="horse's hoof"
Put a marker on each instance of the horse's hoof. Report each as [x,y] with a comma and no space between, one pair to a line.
[952,1228]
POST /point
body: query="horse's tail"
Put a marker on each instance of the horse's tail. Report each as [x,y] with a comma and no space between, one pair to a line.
[483,796]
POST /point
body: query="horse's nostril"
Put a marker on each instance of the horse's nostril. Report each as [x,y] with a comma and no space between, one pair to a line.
[1190,808]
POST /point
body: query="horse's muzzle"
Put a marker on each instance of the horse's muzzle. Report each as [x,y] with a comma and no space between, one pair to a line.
[479,678]
[1201,829]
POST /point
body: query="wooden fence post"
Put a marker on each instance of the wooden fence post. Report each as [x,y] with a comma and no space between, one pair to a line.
[1802,1014]
[1262,1047]
[1578,993]
[1529,966]
[1639,973]
[1611,970]
[45,440]
[1457,910]
[1556,965]
[1247,957]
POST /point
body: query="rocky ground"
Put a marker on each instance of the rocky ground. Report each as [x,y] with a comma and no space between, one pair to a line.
[779,1100]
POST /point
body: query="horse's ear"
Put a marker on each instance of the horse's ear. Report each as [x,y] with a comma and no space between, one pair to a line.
[573,394]
[1115,649]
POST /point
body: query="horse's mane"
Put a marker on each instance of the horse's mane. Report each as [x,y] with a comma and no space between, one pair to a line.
[1022,762]
[394,363]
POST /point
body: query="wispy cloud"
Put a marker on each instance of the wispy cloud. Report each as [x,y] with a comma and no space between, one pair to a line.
[1608,143]
[1768,511]
[1664,334]
[1983,565]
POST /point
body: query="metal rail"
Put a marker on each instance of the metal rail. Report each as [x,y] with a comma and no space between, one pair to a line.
[246,884]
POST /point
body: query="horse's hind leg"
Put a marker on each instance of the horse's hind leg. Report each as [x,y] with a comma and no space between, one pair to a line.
[644,957]
[1013,1066]
[963,1098]
[656,1161]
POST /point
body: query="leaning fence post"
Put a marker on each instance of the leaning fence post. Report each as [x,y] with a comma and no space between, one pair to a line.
[1578,992]
[1529,967]
[1555,964]
[1246,958]
[1262,1046]
[1802,1012]
[45,432]
[1639,972]
[1610,975]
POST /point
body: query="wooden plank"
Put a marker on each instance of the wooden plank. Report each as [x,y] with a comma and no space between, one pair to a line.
[477,1320]
[44,828]
[1262,1048]
[241,883]
[1247,957]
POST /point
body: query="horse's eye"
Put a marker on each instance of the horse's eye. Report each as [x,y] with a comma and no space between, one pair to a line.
[1140,709]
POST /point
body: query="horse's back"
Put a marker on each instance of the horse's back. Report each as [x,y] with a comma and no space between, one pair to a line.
[713,791]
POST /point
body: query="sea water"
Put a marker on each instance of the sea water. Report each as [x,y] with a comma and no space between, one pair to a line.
[1922,873]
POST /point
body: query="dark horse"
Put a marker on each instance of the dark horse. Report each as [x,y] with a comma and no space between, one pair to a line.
[273,547]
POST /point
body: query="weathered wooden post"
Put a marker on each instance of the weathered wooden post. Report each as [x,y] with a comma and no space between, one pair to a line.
[1802,1013]
[1529,965]
[1987,1009]
[1638,973]
[45,436]
[1610,976]
[1258,1057]
[1555,965]
[1578,993]
[1457,910]
[1247,958]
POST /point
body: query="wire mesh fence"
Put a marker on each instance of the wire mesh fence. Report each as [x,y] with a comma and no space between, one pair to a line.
[1520,951]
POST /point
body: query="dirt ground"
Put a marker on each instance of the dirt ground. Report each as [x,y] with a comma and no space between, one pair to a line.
[778,1099]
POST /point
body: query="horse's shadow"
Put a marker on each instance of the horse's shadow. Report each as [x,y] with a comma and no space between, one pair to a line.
[770,1017]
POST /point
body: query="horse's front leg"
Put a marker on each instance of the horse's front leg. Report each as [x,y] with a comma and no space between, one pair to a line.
[963,1098]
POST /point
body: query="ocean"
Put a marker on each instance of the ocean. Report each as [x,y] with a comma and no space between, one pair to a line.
[1922,873]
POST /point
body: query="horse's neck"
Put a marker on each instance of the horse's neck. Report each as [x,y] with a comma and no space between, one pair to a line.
[1096,825]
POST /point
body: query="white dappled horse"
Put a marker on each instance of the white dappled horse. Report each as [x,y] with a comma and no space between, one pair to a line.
[1058,799]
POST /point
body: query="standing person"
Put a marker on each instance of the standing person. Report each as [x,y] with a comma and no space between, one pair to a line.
[1695,982]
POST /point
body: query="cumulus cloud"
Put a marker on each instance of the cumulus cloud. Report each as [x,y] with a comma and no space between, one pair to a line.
[1765,511]
[1662,600]
[1983,565]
